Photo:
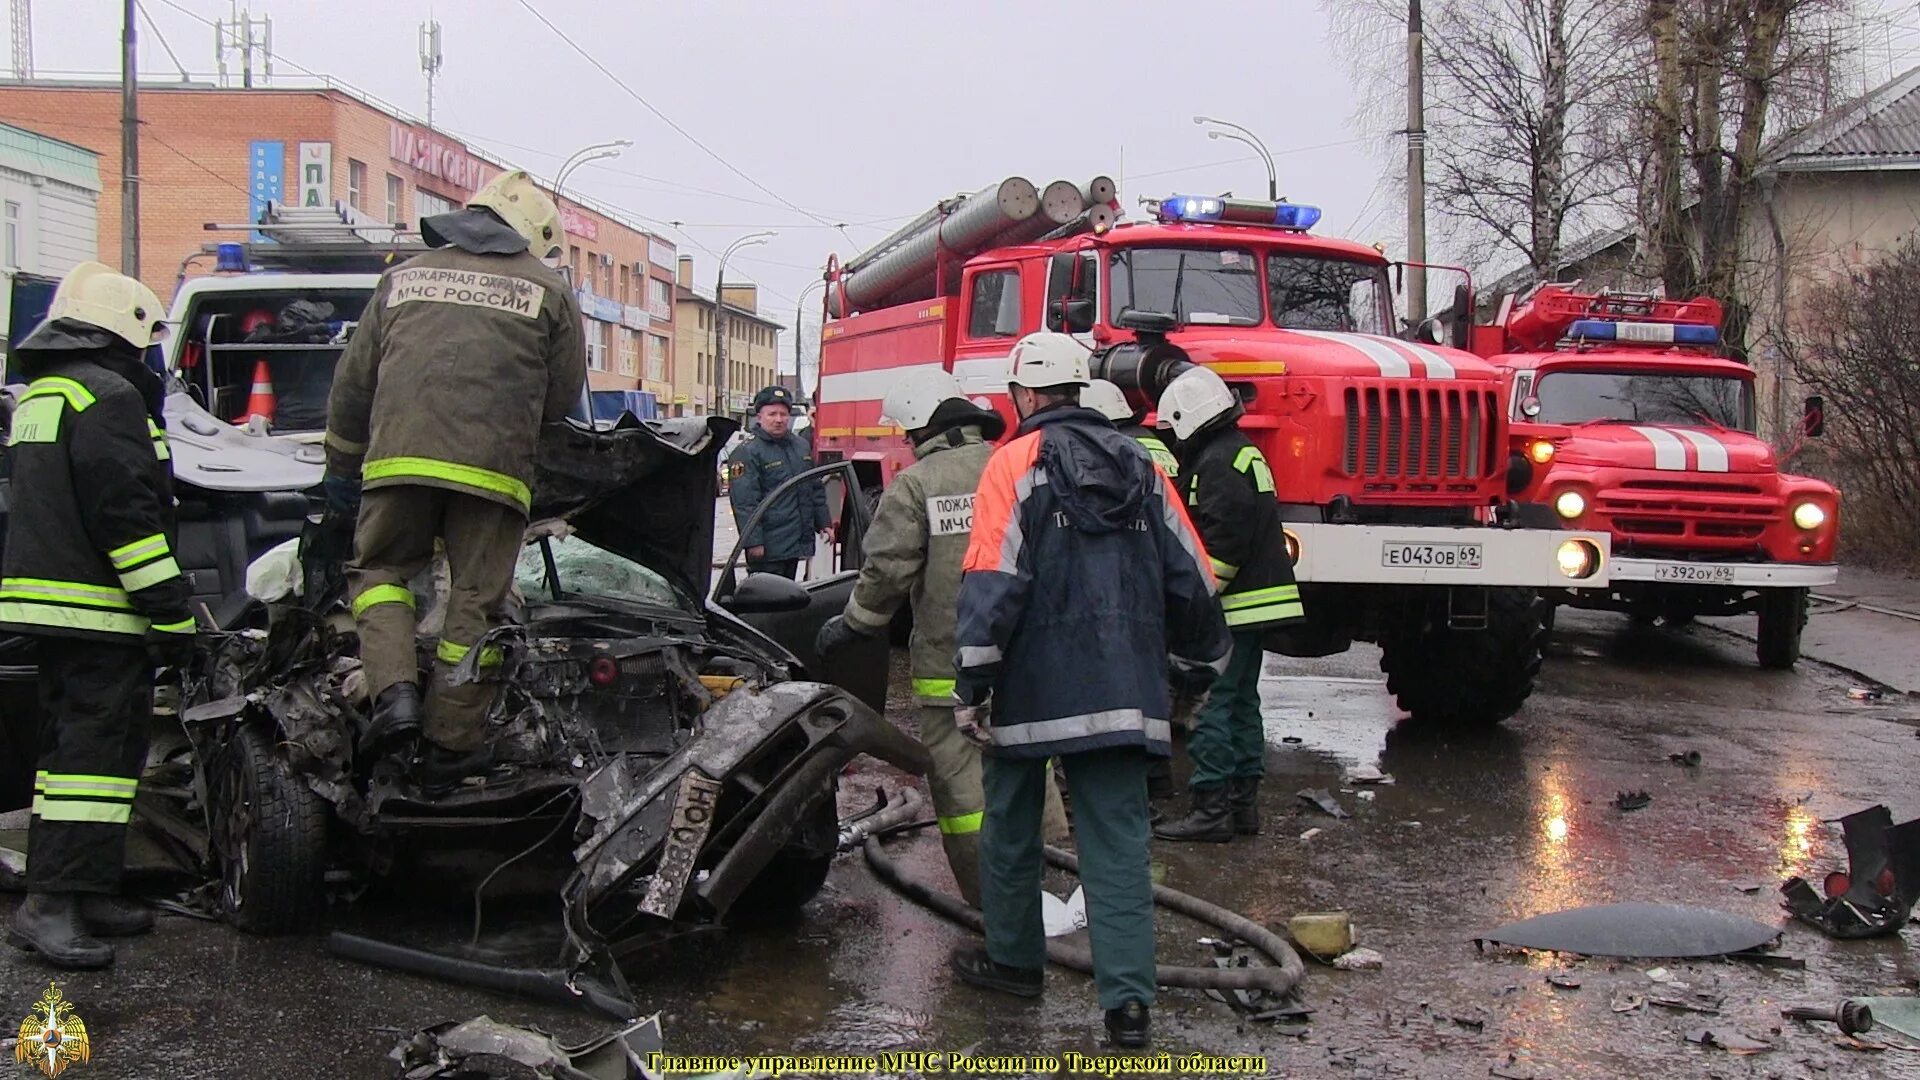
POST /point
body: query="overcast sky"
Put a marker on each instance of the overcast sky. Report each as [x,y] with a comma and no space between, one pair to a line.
[862,113]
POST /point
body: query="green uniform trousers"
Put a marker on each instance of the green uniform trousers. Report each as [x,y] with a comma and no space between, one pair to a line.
[392,542]
[960,802]
[1229,740]
[1109,789]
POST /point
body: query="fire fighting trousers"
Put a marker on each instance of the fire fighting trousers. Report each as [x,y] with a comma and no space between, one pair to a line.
[393,541]
[1109,789]
[1229,740]
[95,702]
[960,802]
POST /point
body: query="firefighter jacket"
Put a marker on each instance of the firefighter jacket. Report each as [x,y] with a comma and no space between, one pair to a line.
[914,549]
[90,529]
[759,465]
[1084,579]
[1156,449]
[1229,492]
[456,362]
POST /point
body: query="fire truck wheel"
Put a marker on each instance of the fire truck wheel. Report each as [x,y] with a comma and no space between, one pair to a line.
[1468,678]
[1783,614]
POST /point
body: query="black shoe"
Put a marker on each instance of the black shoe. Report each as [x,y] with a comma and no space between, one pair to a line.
[396,718]
[442,769]
[1243,797]
[976,968]
[1210,821]
[1160,779]
[49,924]
[1128,1026]
[115,916]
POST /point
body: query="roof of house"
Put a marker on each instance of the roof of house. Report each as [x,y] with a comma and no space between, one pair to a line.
[701,296]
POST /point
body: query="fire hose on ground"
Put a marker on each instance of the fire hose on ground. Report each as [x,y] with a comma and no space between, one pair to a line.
[1278,979]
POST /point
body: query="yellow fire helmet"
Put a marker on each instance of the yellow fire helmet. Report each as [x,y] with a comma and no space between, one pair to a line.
[525,208]
[120,305]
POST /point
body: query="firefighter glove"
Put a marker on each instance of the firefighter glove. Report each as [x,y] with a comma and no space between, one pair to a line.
[342,496]
[836,634]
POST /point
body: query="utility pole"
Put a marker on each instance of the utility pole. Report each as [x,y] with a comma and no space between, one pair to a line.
[799,372]
[129,148]
[719,316]
[1416,168]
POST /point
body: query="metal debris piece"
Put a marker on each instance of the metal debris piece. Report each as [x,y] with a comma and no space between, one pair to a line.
[1689,758]
[1852,1016]
[1310,834]
[1865,693]
[1367,774]
[1324,801]
[1292,740]
[1564,982]
[1626,1003]
[485,1048]
[1359,960]
[1662,975]
[1635,929]
[1875,895]
[1730,1041]
[1631,800]
[1364,796]
[1513,1069]
[1679,1004]
[1291,1011]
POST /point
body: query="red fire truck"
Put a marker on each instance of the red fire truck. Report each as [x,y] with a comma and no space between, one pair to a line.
[1631,421]
[1390,456]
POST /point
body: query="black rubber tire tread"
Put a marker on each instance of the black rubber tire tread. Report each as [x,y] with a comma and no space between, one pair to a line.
[790,879]
[1469,678]
[1783,615]
[287,846]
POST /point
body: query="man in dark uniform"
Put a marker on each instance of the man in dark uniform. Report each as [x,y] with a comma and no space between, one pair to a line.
[771,455]
[461,355]
[90,572]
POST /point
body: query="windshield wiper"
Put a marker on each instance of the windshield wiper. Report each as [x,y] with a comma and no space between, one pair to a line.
[1605,420]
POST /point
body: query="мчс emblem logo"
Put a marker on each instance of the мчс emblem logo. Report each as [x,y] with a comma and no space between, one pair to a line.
[52,1036]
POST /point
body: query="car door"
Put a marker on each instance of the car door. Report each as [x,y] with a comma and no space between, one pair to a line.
[861,667]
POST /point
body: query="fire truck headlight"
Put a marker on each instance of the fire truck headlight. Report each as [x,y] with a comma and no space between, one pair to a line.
[1540,451]
[1578,558]
[1809,516]
[1293,546]
[1570,504]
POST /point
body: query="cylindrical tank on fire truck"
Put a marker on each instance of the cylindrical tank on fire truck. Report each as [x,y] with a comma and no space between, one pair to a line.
[974,226]
[1100,191]
[1147,367]
[1062,201]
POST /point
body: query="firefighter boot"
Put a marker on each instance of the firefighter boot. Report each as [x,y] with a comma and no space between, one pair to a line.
[50,924]
[1243,795]
[1210,821]
[396,718]
[115,916]
[442,769]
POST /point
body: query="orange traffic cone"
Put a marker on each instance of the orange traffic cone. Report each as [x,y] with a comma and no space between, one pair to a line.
[260,401]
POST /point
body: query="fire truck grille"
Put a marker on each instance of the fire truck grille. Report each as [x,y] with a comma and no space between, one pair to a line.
[1405,431]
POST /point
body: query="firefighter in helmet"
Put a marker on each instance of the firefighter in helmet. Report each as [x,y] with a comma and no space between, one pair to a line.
[1111,402]
[90,571]
[769,456]
[462,353]
[1229,493]
[919,535]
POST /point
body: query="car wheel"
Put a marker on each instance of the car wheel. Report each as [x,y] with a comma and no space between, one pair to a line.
[795,873]
[269,833]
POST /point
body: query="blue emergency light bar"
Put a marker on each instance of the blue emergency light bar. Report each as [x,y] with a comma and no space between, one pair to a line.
[1191,208]
[1641,332]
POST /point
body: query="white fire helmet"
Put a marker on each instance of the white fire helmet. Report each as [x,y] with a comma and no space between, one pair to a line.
[1195,397]
[95,295]
[525,208]
[1042,360]
[1108,400]
[909,404]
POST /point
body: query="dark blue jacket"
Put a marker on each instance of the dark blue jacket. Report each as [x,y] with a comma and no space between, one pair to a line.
[1084,580]
[761,464]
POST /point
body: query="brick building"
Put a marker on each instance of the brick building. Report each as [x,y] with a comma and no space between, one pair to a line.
[753,343]
[217,154]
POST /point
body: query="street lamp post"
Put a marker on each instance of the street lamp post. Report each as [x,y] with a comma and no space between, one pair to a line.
[800,306]
[720,314]
[1242,135]
[595,152]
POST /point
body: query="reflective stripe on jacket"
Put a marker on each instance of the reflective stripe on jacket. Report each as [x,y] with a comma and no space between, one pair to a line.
[1150,441]
[1230,492]
[456,362]
[914,550]
[1084,579]
[89,546]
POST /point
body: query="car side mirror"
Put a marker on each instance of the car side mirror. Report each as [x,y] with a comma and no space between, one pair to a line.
[1072,316]
[760,594]
[1813,420]
[1460,318]
[1430,332]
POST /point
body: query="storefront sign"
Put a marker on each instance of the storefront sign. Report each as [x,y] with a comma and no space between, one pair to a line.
[266,177]
[447,161]
[603,308]
[579,224]
[660,253]
[316,174]
[634,318]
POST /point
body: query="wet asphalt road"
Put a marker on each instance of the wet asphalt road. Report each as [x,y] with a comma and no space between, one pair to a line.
[1476,831]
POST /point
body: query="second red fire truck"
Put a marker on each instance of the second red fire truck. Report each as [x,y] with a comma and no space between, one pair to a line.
[1391,457]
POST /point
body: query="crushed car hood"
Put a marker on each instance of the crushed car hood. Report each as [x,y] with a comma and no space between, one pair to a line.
[644,489]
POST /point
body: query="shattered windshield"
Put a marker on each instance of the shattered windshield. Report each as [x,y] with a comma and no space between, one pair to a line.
[586,570]
[1306,292]
[1199,286]
[1573,397]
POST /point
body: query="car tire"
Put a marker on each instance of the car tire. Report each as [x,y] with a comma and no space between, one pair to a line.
[269,833]
[1467,678]
[796,872]
[1783,615]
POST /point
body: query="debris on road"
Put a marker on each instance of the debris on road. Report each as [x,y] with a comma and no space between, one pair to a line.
[1367,774]
[1865,693]
[484,1048]
[1876,893]
[1063,917]
[1662,975]
[1564,982]
[1690,758]
[1324,801]
[1709,1006]
[1514,1069]
[1631,800]
[1626,1003]
[1635,929]
[1310,834]
[1324,934]
[1359,960]
[1852,1016]
[1364,796]
[1731,1041]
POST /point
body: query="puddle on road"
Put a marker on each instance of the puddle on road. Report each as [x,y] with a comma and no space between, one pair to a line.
[1344,718]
